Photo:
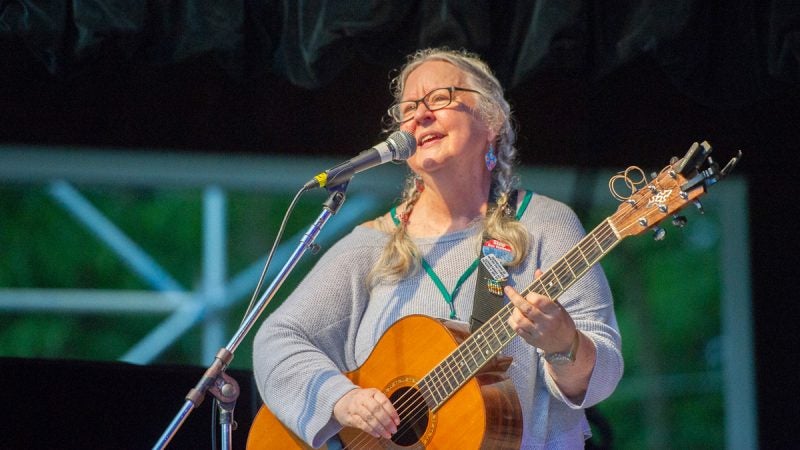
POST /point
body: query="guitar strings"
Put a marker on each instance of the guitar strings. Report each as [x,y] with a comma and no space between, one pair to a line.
[403,404]
[408,402]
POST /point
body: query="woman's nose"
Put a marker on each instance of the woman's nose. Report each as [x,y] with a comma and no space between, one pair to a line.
[422,112]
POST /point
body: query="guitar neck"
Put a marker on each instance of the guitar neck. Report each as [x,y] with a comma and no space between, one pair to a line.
[488,340]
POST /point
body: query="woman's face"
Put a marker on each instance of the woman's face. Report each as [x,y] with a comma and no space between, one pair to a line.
[452,138]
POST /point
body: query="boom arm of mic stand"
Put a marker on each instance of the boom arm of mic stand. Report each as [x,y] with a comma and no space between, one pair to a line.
[214,379]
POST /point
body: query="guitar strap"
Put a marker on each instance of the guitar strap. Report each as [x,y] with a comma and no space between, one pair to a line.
[491,275]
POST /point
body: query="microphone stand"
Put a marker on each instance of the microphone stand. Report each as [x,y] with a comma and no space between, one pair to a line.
[215,380]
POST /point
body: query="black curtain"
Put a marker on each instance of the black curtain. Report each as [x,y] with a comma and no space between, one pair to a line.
[719,52]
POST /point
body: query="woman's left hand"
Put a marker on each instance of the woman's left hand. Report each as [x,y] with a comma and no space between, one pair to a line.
[540,321]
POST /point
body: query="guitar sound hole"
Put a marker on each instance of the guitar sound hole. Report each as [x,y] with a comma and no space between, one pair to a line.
[413,411]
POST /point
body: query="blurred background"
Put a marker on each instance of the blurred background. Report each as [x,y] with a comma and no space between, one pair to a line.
[148,152]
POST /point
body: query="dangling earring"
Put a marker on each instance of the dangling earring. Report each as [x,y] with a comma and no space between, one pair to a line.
[491,158]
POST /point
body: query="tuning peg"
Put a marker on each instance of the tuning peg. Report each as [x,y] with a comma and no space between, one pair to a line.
[699,206]
[659,233]
[679,221]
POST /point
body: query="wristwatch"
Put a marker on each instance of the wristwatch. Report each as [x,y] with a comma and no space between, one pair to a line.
[568,357]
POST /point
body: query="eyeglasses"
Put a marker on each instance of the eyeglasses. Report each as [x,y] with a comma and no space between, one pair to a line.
[433,100]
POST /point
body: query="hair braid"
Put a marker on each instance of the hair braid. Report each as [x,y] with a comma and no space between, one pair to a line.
[400,256]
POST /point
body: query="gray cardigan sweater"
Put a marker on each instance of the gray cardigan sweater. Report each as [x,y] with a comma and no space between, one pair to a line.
[332,320]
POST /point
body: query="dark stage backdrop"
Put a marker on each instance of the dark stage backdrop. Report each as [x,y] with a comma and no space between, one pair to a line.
[63,404]
[593,83]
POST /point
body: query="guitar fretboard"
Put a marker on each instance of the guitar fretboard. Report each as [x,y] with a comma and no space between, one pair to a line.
[488,340]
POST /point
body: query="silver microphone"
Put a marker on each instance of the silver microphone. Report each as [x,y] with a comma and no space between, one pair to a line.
[399,146]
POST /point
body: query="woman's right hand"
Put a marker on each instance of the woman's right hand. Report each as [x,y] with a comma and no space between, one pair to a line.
[368,410]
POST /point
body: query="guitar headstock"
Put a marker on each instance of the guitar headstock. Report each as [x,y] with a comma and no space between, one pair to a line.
[680,183]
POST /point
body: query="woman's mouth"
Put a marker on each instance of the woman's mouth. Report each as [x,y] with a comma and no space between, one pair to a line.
[429,138]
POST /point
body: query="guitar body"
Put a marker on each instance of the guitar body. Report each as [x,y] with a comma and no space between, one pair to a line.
[484,413]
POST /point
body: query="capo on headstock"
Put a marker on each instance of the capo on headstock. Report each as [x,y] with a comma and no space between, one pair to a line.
[691,162]
[690,166]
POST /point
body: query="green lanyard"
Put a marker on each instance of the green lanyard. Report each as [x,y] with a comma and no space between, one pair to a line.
[448,296]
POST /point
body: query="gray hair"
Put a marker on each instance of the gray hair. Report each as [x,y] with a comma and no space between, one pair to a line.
[492,106]
[399,257]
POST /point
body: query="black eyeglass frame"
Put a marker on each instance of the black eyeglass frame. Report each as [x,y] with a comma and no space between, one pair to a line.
[424,100]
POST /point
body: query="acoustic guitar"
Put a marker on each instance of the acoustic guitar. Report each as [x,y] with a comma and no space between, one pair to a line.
[448,386]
